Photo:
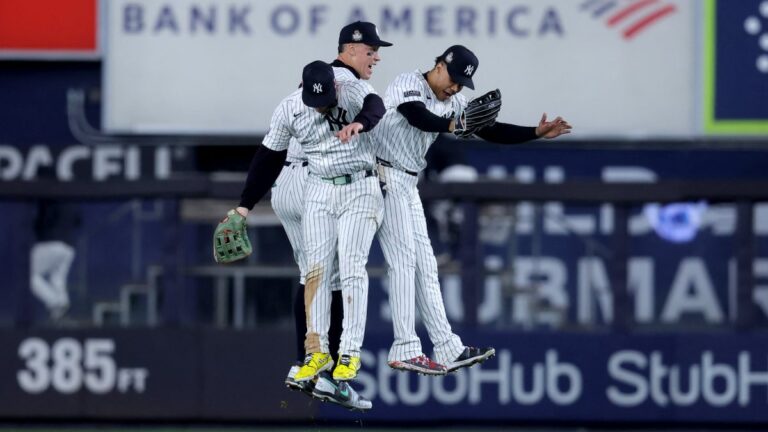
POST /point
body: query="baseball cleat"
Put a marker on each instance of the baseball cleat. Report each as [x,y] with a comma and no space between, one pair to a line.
[470,356]
[347,368]
[314,363]
[339,392]
[421,364]
[292,384]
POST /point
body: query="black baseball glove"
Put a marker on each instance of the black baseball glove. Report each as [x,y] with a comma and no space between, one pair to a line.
[479,113]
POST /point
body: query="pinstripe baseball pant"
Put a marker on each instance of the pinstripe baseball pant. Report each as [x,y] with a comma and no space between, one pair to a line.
[288,203]
[339,219]
[412,270]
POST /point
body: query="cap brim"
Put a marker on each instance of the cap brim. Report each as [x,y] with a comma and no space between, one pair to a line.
[463,81]
[373,43]
[313,100]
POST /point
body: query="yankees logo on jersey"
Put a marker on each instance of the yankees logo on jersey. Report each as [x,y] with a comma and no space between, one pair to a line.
[315,132]
[394,128]
[336,118]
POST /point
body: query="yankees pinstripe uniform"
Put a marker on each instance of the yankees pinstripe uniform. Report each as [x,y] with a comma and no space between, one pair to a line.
[403,234]
[419,107]
[401,272]
[343,206]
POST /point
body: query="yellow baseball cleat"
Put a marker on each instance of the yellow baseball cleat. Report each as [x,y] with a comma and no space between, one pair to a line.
[314,363]
[347,368]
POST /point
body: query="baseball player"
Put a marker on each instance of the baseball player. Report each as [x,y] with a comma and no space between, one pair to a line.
[419,107]
[358,46]
[358,54]
[343,203]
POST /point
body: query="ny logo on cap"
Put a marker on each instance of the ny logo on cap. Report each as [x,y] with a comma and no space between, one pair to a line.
[449,57]
[357,36]
[317,87]
[468,71]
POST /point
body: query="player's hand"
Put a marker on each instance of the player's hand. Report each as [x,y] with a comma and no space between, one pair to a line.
[243,211]
[349,131]
[552,129]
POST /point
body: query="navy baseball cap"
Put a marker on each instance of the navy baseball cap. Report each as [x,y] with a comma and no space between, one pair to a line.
[318,86]
[361,32]
[462,65]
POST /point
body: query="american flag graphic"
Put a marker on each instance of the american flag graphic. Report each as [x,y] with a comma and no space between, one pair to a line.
[630,17]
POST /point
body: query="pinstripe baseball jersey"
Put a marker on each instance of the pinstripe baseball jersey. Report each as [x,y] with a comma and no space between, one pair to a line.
[295,152]
[315,132]
[344,74]
[395,139]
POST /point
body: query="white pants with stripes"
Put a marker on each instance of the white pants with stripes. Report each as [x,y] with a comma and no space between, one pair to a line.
[339,219]
[412,271]
[288,203]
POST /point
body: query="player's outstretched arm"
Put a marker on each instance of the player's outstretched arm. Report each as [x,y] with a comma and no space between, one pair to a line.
[418,116]
[349,131]
[552,129]
[264,170]
[510,134]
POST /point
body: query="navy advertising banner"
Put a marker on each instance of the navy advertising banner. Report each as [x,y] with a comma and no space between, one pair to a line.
[238,375]
[581,377]
[736,67]
[549,264]
[147,374]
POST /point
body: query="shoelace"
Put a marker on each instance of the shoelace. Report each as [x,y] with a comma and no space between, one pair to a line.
[308,359]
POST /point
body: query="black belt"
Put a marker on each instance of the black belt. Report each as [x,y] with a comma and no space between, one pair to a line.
[286,163]
[389,165]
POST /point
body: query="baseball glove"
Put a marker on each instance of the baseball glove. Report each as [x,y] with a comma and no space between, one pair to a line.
[479,113]
[230,240]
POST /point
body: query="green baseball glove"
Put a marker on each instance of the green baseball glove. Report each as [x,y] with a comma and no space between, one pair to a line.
[230,240]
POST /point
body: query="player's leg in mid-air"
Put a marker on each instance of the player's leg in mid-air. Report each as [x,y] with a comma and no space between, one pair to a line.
[320,227]
[397,242]
[322,386]
[288,203]
[360,210]
[449,349]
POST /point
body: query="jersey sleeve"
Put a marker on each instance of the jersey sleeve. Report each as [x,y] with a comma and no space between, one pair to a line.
[405,88]
[279,135]
[353,94]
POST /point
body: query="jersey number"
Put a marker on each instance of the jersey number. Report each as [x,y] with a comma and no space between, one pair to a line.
[337,119]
